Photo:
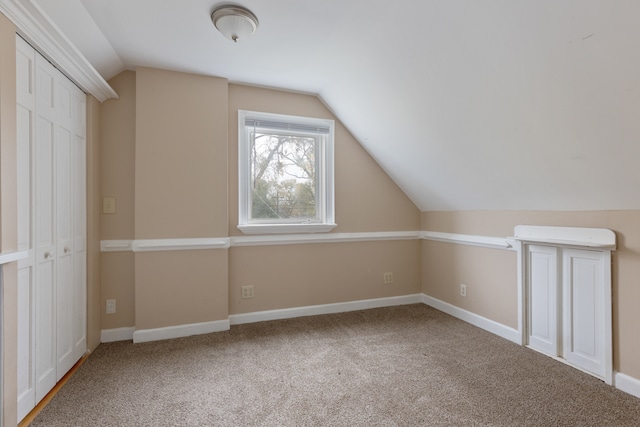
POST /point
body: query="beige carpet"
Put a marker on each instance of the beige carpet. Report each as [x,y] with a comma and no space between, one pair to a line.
[398,366]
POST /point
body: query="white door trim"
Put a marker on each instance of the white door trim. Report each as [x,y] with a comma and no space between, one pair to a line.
[38,29]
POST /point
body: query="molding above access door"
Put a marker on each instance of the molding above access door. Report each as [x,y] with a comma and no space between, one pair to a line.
[36,27]
[600,238]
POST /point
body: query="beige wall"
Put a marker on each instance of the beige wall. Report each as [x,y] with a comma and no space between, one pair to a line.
[8,218]
[366,199]
[181,155]
[181,287]
[302,275]
[180,192]
[167,137]
[117,163]
[118,282]
[491,274]
[117,156]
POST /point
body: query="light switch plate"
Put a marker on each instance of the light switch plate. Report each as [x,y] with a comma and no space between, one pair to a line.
[108,205]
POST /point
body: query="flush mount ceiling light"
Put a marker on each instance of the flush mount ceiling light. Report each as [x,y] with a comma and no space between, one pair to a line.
[234,22]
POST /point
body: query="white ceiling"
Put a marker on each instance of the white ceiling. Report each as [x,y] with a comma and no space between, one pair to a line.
[467,104]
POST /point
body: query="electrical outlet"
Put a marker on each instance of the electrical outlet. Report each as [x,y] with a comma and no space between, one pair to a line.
[388,278]
[463,290]
[111,306]
[247,291]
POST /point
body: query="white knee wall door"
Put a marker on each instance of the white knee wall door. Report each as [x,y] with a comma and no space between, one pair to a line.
[567,299]
[51,140]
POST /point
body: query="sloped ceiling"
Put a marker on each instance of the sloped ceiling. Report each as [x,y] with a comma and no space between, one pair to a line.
[467,104]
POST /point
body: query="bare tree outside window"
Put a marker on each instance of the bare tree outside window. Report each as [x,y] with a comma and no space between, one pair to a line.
[283,176]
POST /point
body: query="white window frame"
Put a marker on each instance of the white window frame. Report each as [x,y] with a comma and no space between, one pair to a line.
[325,208]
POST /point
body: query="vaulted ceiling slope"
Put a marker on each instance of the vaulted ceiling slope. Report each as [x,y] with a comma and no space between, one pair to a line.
[467,104]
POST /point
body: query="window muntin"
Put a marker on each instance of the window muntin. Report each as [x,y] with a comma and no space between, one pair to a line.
[285,173]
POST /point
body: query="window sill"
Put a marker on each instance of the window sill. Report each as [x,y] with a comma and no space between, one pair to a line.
[285,228]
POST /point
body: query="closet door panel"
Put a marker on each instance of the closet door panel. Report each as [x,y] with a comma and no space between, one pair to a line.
[26,383]
[543,299]
[44,191]
[584,306]
[44,211]
[24,134]
[79,290]
[79,319]
[79,160]
[25,94]
[64,102]
[45,328]
[64,276]
[63,190]
[45,321]
[25,72]
[25,131]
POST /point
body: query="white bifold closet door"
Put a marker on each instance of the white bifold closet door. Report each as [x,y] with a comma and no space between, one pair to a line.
[51,117]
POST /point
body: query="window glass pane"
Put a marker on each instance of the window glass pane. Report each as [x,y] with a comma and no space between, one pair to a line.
[283,175]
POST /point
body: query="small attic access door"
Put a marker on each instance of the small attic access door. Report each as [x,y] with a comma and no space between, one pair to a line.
[566,295]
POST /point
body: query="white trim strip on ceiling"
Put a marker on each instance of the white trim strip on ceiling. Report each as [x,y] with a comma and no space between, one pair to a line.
[35,27]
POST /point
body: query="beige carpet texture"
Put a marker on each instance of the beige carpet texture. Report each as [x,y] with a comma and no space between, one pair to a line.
[398,366]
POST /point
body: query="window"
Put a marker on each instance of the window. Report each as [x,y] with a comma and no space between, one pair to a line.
[285,173]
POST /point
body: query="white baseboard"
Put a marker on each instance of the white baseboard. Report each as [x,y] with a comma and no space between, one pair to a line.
[169,332]
[117,334]
[622,382]
[499,329]
[144,335]
[312,310]
[627,384]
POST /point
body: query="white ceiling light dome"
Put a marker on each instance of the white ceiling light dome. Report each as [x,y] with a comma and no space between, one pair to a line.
[234,22]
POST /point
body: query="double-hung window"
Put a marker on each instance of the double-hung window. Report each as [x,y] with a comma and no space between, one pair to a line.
[285,173]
